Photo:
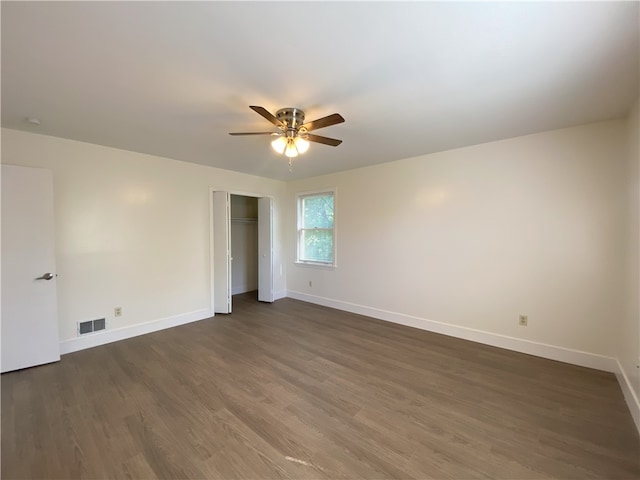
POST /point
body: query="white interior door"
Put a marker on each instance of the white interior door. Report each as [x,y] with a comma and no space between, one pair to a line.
[221,252]
[265,249]
[29,298]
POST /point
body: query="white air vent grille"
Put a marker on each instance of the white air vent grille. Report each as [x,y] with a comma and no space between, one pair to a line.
[91,326]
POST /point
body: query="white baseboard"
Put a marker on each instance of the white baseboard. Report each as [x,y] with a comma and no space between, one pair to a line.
[552,352]
[243,289]
[108,336]
[629,394]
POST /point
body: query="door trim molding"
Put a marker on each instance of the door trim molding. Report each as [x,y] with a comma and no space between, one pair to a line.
[211,295]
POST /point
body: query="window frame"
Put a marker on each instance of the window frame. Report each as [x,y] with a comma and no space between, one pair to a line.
[299,227]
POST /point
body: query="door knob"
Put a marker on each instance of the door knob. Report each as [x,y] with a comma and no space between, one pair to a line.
[46,276]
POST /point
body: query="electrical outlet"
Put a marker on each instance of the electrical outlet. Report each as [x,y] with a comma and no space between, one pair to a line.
[117,312]
[310,283]
[523,320]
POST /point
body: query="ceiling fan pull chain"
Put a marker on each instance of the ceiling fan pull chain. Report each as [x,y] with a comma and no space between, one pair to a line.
[290,167]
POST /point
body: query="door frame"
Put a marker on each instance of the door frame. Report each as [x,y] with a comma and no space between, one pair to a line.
[211,249]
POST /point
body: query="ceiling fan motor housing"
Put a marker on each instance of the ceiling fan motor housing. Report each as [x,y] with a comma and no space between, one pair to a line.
[292,117]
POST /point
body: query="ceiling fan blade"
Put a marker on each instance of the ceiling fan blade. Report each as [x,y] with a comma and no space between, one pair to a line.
[253,133]
[266,114]
[327,121]
[320,139]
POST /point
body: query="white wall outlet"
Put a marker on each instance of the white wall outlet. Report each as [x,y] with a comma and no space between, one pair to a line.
[117,312]
[310,283]
[523,320]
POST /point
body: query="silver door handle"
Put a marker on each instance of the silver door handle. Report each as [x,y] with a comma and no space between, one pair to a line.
[46,276]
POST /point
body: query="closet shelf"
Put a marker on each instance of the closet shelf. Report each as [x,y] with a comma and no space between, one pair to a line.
[244,220]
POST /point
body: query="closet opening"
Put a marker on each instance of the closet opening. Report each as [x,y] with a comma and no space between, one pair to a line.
[241,248]
[244,247]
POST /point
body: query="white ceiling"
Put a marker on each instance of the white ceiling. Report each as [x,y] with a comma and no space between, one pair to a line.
[173,78]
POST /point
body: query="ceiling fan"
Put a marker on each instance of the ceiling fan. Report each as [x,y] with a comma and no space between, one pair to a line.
[294,137]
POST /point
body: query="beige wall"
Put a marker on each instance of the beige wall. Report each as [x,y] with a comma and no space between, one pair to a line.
[545,225]
[629,342]
[474,237]
[132,230]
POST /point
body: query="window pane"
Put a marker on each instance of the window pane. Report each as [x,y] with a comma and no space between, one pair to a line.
[316,245]
[317,211]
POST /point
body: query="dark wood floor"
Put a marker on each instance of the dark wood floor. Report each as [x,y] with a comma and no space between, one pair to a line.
[293,390]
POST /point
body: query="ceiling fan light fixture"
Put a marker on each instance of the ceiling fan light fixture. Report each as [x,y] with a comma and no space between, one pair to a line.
[301,144]
[279,144]
[291,151]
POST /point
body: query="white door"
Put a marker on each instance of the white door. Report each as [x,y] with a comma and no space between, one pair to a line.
[221,252]
[29,298]
[265,250]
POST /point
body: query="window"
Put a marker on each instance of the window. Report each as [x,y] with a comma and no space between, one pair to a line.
[316,231]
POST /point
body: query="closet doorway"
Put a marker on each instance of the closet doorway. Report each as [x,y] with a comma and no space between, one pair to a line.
[244,244]
[241,248]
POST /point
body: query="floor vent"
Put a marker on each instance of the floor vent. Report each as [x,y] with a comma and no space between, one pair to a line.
[91,326]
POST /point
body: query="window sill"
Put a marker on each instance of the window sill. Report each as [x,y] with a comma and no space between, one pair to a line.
[324,266]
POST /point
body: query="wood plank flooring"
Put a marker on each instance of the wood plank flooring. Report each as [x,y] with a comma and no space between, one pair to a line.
[294,390]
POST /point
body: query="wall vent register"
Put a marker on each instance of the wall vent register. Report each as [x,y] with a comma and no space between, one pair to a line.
[91,326]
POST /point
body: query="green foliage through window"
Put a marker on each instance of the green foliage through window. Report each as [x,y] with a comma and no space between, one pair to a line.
[315,228]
